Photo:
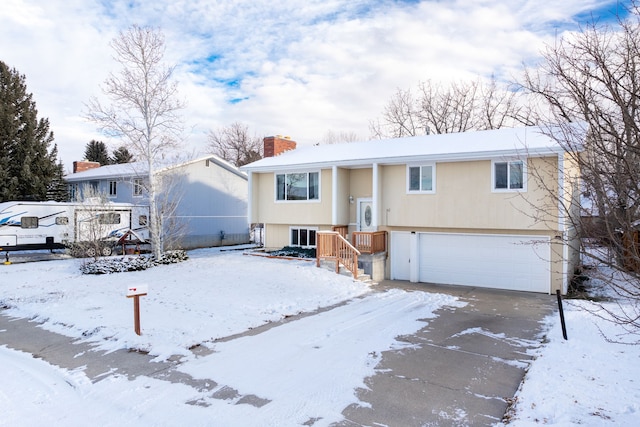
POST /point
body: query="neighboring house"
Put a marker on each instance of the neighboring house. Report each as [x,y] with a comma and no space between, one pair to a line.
[209,194]
[476,208]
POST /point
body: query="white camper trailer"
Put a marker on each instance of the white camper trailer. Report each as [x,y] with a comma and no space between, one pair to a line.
[56,225]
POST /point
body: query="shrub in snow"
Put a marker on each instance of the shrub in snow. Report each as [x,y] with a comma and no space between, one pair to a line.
[294,251]
[130,263]
[171,257]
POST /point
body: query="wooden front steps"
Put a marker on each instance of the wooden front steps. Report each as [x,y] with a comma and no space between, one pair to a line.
[361,276]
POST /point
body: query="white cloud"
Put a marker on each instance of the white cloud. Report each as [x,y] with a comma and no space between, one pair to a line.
[299,67]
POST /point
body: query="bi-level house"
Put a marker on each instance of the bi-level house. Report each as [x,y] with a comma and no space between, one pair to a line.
[209,194]
[485,208]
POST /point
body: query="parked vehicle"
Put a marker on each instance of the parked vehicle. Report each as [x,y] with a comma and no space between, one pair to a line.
[90,227]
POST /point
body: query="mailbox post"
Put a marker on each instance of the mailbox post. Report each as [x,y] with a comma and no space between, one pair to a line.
[135,292]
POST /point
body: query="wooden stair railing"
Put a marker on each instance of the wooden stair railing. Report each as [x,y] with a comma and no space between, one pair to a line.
[369,242]
[331,245]
[342,229]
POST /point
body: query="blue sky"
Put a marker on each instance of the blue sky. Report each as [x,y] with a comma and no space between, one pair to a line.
[294,67]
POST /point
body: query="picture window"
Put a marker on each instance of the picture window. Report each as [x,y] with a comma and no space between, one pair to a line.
[298,186]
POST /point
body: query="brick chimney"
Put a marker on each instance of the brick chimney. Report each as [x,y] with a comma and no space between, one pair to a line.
[276,145]
[84,165]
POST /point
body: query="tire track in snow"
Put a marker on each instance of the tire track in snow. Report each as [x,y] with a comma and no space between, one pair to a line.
[296,366]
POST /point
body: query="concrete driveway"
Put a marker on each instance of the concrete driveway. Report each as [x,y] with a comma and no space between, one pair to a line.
[462,370]
[465,366]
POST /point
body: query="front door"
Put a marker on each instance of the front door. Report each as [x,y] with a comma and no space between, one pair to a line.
[365,215]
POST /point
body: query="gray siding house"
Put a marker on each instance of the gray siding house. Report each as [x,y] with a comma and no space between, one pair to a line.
[209,196]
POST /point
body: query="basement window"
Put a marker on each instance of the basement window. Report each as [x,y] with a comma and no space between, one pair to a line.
[303,237]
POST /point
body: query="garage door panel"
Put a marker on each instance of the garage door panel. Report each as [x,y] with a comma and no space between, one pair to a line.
[400,262]
[495,261]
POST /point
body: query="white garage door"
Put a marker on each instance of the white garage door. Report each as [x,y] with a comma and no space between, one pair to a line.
[493,261]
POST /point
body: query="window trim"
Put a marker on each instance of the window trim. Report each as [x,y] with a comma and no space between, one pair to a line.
[137,183]
[509,161]
[302,227]
[433,178]
[307,200]
[113,188]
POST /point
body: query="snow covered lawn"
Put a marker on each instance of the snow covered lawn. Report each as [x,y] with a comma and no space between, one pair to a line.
[586,380]
[307,370]
[212,295]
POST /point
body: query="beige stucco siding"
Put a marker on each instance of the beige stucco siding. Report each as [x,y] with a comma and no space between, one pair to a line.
[360,187]
[266,209]
[278,235]
[571,207]
[464,198]
[342,201]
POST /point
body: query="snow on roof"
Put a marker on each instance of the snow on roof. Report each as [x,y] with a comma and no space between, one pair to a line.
[109,171]
[439,147]
[212,158]
[141,168]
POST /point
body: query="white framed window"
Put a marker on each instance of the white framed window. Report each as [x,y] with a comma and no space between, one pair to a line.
[509,175]
[421,178]
[303,236]
[113,188]
[73,191]
[137,187]
[301,186]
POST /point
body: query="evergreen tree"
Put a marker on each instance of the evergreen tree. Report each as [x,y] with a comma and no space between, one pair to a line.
[58,190]
[26,164]
[121,155]
[96,151]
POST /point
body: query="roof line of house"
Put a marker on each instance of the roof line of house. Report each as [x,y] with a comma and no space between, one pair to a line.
[441,157]
[138,169]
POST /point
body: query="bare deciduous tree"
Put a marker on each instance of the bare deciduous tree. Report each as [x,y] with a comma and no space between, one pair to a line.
[144,109]
[331,137]
[399,118]
[593,76]
[93,220]
[234,144]
[458,107]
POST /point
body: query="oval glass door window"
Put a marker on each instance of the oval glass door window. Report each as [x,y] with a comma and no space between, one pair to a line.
[367,216]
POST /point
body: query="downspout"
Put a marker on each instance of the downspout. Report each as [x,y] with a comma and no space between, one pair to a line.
[334,195]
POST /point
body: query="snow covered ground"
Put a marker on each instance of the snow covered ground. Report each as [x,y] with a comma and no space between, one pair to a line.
[583,381]
[587,380]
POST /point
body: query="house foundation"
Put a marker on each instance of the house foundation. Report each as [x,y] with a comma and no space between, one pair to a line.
[374,265]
